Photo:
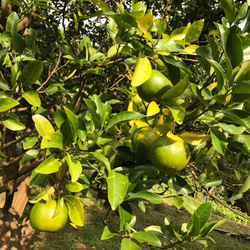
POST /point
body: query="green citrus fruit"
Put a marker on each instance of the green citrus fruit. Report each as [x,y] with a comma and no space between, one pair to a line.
[154,87]
[43,217]
[147,136]
[169,153]
[108,151]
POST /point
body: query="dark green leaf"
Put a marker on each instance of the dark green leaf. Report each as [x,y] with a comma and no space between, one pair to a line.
[177,90]
[229,9]
[31,73]
[126,215]
[219,140]
[203,213]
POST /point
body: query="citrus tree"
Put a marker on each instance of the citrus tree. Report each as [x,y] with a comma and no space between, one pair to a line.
[149,107]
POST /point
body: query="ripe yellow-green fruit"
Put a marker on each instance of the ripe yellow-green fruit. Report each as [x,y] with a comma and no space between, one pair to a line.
[169,153]
[146,135]
[154,87]
[45,218]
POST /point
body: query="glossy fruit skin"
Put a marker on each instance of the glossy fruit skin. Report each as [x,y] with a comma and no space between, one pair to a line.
[154,87]
[147,136]
[169,155]
[42,217]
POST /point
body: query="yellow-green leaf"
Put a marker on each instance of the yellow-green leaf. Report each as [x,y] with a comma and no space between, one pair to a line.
[194,139]
[42,125]
[153,109]
[142,71]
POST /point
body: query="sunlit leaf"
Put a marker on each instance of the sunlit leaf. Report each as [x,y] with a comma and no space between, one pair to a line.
[194,139]
[42,125]
[117,188]
[48,166]
[147,237]
[142,71]
[12,123]
[32,97]
[153,109]
[76,212]
[7,103]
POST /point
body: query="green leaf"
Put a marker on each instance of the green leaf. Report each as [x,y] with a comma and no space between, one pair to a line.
[48,166]
[229,9]
[243,75]
[161,26]
[210,226]
[177,90]
[75,167]
[178,113]
[219,140]
[233,46]
[44,195]
[126,215]
[2,155]
[7,103]
[3,84]
[54,140]
[128,244]
[123,117]
[117,188]
[220,75]
[73,121]
[32,97]
[12,22]
[214,182]
[246,185]
[237,116]
[142,71]
[147,196]
[179,185]
[29,155]
[147,237]
[12,123]
[105,114]
[96,118]
[153,109]
[193,225]
[168,45]
[108,233]
[75,187]
[102,159]
[31,73]
[76,212]
[42,125]
[203,213]
[194,31]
